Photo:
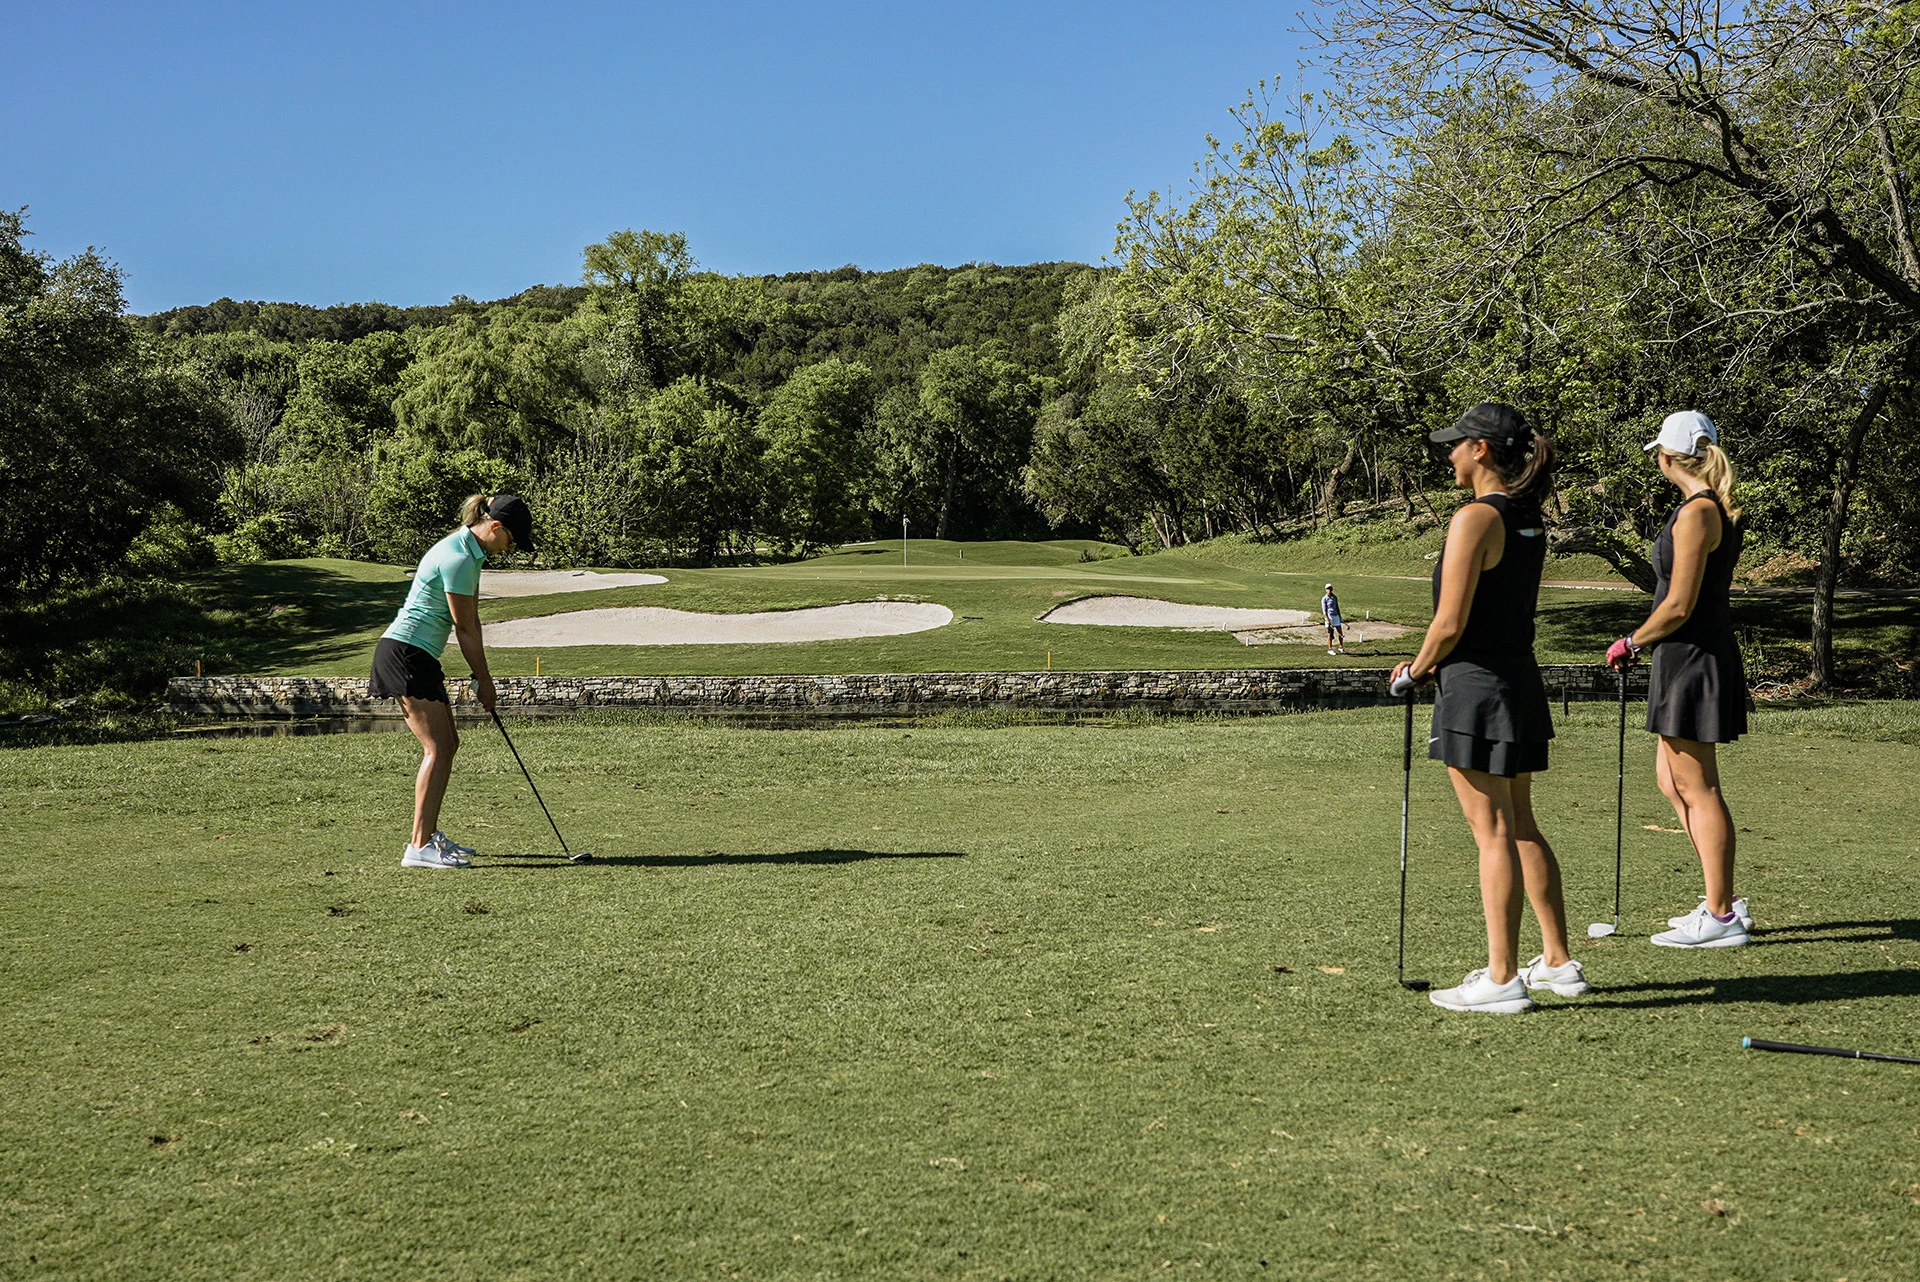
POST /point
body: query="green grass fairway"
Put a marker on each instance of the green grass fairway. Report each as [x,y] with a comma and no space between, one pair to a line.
[967,999]
[324,617]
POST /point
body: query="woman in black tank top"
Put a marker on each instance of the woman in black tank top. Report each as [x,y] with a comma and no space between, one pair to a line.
[1491,722]
[1697,689]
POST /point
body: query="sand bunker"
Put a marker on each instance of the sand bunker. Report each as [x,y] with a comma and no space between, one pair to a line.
[1150,612]
[652,625]
[499,583]
[1316,634]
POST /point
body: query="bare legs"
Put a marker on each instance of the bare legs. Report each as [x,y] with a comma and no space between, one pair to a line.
[432,724]
[1514,857]
[1689,774]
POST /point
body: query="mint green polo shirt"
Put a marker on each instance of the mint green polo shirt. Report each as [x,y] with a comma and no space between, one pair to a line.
[451,565]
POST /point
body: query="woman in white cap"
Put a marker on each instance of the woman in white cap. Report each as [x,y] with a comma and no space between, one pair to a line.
[1697,687]
[1491,721]
[445,597]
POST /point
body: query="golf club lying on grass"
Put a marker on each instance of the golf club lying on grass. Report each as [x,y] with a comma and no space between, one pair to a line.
[1755,1044]
[1403,686]
[585,855]
[1601,929]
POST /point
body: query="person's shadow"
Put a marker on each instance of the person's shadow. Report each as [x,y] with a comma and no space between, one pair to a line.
[717,858]
[1811,932]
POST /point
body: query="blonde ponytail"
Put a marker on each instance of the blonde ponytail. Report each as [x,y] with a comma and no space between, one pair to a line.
[1716,469]
[474,509]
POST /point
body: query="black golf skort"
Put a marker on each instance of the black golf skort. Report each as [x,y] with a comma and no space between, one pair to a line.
[406,671]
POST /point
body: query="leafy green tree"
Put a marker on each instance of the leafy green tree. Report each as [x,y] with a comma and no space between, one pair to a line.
[506,384]
[971,429]
[816,459]
[699,470]
[98,434]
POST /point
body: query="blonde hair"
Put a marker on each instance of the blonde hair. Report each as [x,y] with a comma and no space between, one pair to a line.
[1715,468]
[474,508]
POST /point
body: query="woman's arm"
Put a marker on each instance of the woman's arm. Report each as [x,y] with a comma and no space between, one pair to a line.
[1696,532]
[1469,538]
[466,629]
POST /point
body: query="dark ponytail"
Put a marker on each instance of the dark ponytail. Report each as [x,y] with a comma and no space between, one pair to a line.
[1526,464]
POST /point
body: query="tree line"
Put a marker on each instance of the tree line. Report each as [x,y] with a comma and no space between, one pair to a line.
[1598,213]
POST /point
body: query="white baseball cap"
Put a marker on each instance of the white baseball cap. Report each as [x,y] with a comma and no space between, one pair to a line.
[1682,432]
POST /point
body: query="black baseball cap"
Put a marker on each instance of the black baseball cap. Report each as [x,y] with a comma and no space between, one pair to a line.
[1487,421]
[511,511]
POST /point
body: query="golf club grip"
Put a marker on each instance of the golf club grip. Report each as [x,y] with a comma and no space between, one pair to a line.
[1755,1043]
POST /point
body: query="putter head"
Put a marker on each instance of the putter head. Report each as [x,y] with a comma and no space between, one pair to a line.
[1601,929]
[580,857]
[1416,985]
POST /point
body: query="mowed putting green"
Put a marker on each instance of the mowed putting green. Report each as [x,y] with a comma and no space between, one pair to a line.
[963,999]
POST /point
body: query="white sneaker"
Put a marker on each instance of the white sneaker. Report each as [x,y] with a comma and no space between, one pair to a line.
[1698,929]
[1477,992]
[441,841]
[431,856]
[1329,651]
[1740,910]
[1569,980]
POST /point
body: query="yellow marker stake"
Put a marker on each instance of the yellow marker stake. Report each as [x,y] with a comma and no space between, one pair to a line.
[1049,661]
[536,665]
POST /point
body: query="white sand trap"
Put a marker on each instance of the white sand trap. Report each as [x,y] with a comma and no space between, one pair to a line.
[652,625]
[499,583]
[1151,612]
[1316,634]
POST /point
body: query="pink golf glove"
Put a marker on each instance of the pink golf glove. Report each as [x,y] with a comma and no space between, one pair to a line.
[1620,653]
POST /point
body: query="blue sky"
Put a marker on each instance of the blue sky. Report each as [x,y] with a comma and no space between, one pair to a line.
[408,152]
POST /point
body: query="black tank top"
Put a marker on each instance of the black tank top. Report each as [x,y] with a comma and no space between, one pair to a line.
[1500,621]
[1710,626]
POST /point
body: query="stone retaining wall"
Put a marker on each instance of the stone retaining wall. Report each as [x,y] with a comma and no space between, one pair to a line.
[1238,690]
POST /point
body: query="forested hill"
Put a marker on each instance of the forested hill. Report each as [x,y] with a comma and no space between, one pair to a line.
[889,320]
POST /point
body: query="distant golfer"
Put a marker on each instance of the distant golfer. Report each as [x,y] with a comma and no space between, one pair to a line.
[445,597]
[1336,634]
[1491,723]
[1697,687]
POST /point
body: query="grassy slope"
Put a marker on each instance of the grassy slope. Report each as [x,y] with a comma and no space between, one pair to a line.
[957,1001]
[332,612]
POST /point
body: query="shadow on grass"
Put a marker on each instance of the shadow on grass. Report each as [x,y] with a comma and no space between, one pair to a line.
[1898,928]
[716,859]
[1778,990]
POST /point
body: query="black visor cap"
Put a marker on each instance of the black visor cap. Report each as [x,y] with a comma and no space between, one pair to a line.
[1487,421]
[511,511]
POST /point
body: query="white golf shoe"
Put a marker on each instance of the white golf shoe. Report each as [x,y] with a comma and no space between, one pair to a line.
[1569,980]
[1699,929]
[1477,992]
[1741,909]
[432,856]
[448,845]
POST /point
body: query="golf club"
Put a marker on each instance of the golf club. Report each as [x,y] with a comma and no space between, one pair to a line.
[1755,1044]
[1404,686]
[585,855]
[1601,929]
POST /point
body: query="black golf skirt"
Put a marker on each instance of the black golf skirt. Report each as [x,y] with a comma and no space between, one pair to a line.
[406,671]
[1491,718]
[1696,693]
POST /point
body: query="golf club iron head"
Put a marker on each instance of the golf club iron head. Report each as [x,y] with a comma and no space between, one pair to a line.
[1601,929]
[1416,985]
[580,857]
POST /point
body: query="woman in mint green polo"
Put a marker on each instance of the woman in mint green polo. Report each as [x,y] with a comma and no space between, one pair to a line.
[444,598]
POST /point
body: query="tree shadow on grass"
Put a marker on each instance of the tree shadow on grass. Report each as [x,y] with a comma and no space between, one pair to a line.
[1777,990]
[717,859]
